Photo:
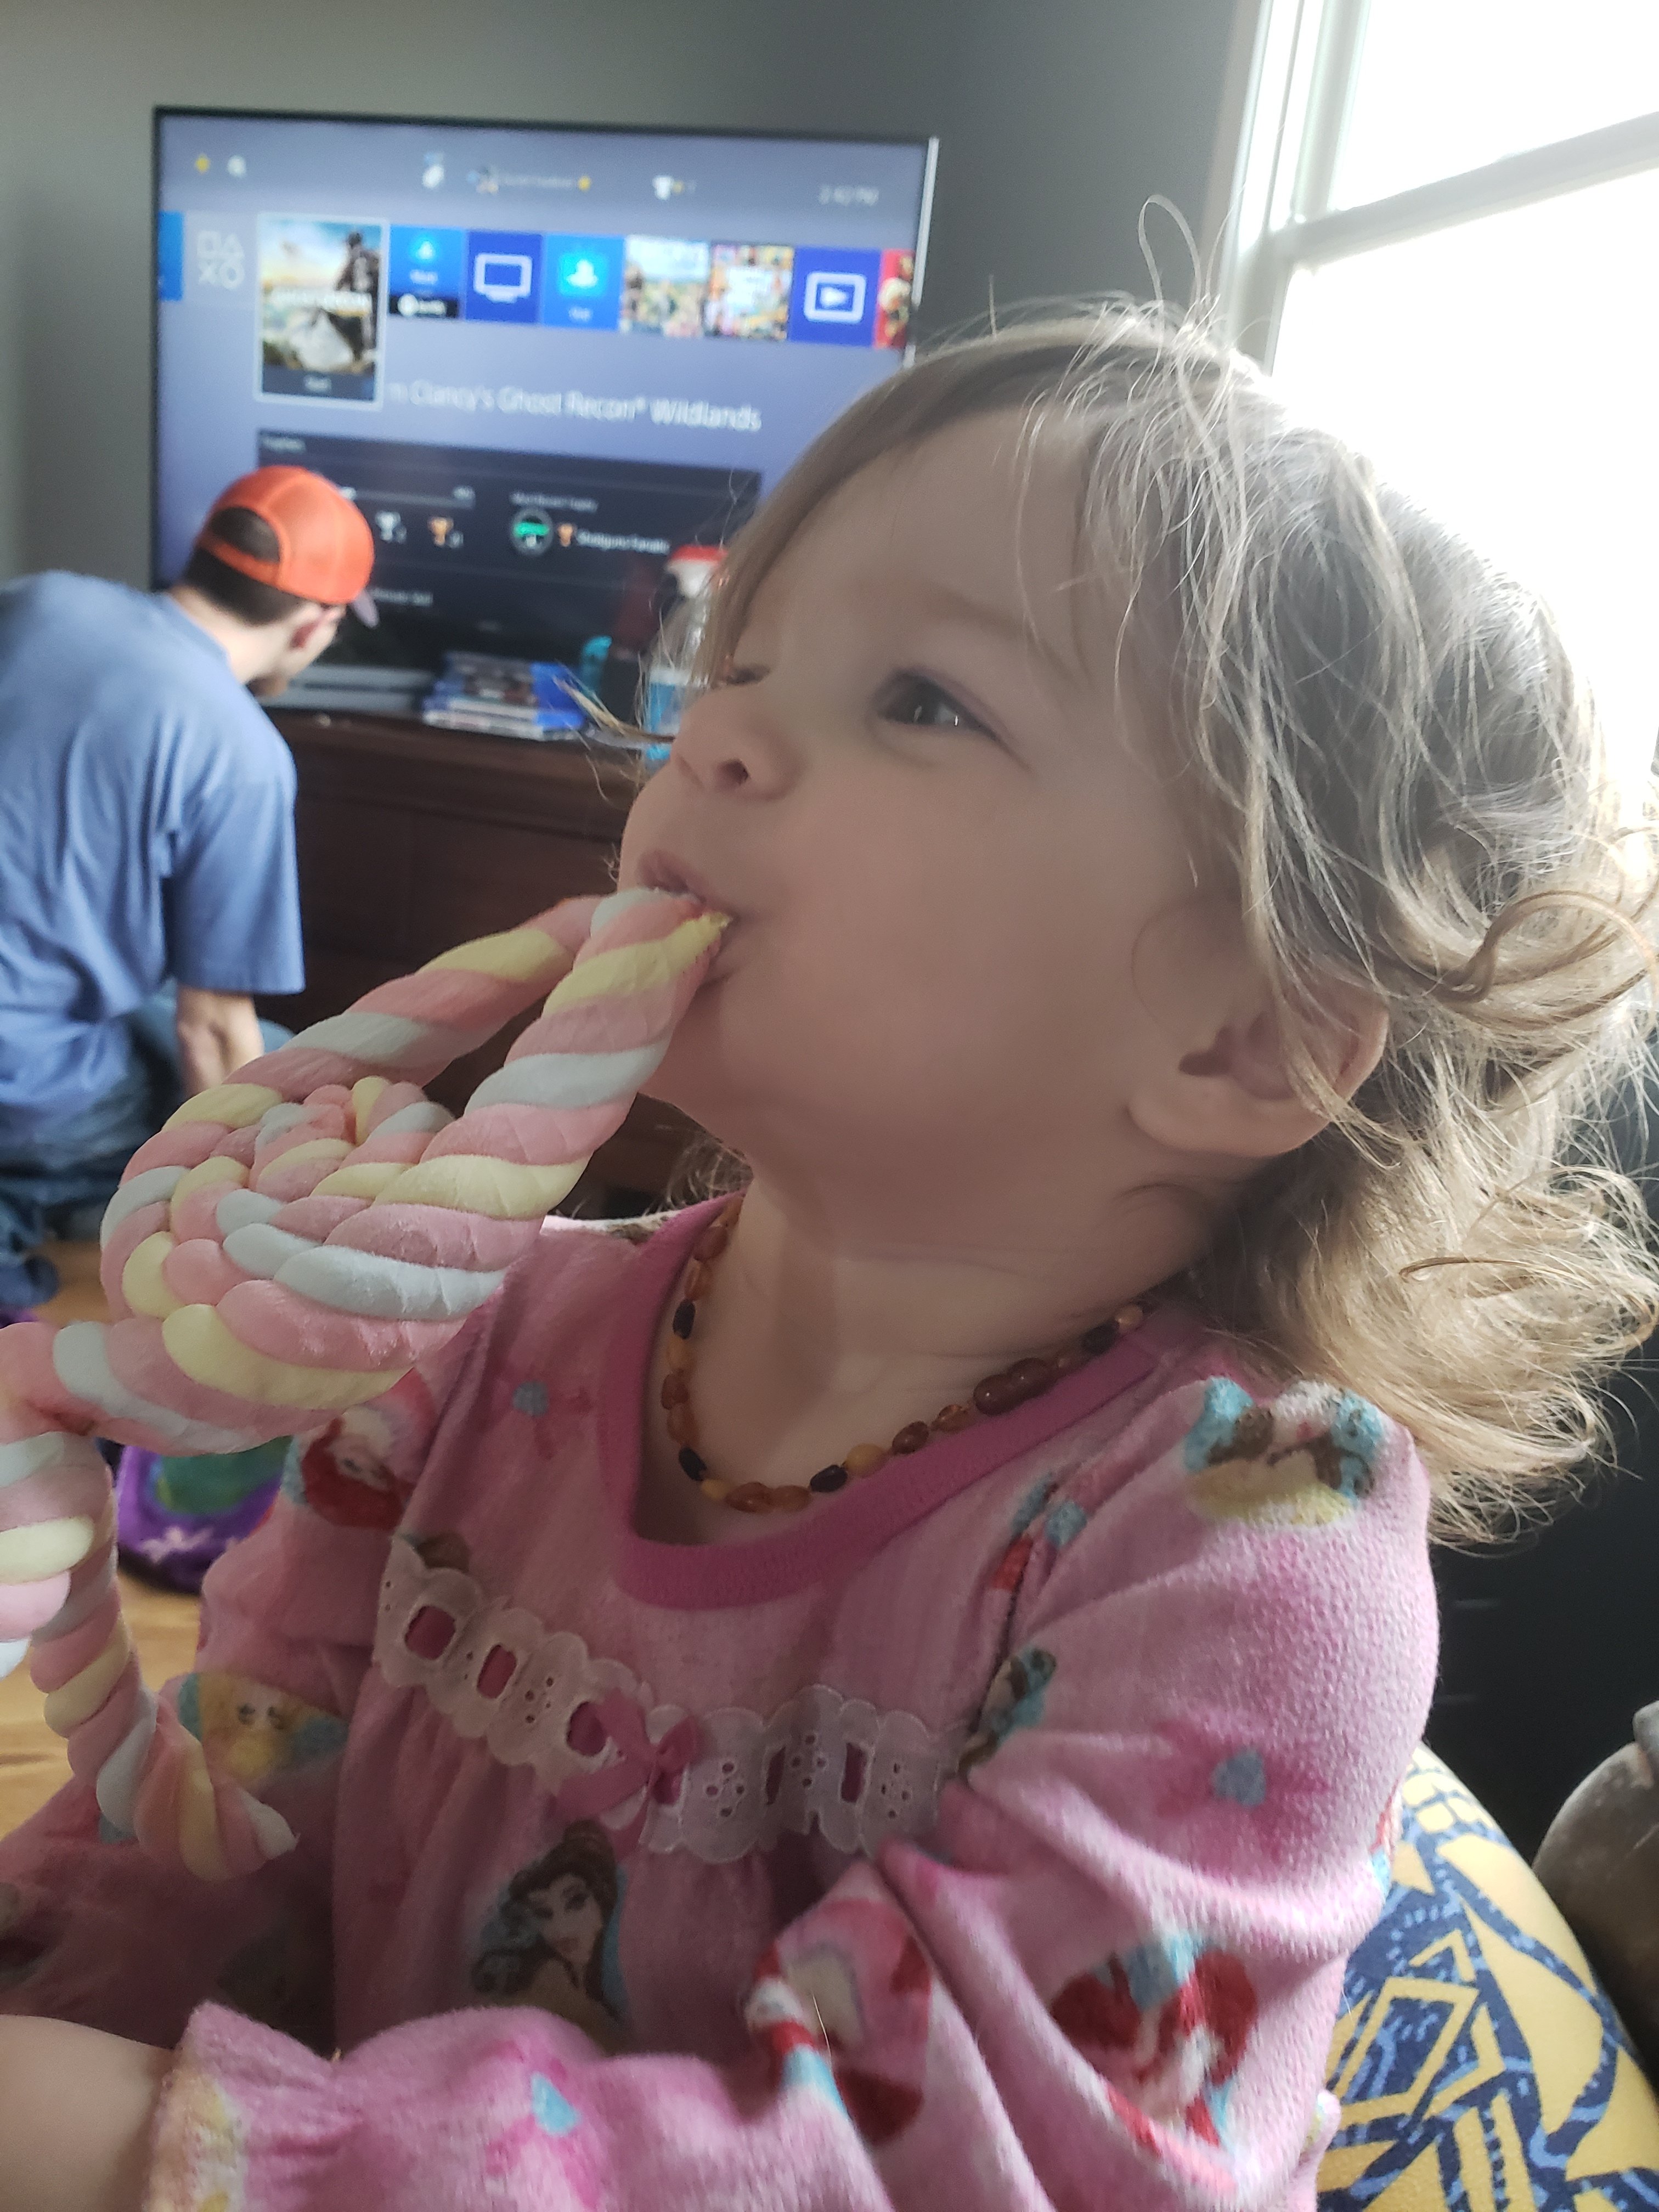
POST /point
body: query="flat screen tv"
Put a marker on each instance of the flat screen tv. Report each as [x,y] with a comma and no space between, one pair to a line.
[540,358]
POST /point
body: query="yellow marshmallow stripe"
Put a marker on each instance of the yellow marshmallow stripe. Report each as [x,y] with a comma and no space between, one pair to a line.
[367,1179]
[200,1845]
[512,956]
[41,1549]
[143,1283]
[235,1104]
[79,1698]
[217,1167]
[364,1093]
[631,969]
[201,1346]
[314,1148]
[44,1548]
[476,1183]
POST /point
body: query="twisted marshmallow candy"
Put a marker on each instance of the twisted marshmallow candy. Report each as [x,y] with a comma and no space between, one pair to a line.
[287,1247]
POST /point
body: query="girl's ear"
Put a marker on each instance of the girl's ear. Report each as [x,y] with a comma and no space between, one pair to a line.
[1218,1082]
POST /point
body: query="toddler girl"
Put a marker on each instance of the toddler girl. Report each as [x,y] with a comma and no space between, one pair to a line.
[888,1689]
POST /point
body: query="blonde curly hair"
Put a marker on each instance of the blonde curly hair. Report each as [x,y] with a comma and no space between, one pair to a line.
[1390,761]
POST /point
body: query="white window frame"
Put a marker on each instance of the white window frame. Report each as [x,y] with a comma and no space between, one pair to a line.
[1291,71]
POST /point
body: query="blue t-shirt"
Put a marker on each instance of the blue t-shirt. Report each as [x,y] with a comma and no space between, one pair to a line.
[146,833]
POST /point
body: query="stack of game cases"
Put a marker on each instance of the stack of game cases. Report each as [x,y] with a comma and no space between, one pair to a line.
[501,698]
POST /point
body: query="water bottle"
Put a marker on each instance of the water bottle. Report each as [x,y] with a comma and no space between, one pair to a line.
[689,573]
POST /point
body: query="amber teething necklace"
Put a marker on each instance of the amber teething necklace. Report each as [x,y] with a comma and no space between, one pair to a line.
[998,1393]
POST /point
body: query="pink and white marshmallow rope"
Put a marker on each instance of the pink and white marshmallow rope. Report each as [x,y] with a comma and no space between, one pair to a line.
[287,1247]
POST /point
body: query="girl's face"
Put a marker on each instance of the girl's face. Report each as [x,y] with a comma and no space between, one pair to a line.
[571,1922]
[916,793]
[354,1458]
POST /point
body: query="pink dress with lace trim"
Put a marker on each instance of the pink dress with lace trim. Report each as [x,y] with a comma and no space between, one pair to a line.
[992,1834]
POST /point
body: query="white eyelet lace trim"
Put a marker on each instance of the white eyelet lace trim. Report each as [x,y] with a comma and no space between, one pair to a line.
[858,1774]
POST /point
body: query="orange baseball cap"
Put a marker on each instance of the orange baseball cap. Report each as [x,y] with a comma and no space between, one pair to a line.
[325,549]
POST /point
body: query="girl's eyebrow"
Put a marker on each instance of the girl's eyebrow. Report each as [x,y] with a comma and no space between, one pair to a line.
[946,602]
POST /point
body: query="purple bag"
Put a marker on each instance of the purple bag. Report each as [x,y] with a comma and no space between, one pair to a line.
[174,1516]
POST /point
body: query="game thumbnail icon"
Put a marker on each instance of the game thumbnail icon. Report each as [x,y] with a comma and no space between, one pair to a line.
[665,284]
[320,308]
[749,292]
[893,290]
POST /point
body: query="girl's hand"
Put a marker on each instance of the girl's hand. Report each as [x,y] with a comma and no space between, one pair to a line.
[77,2110]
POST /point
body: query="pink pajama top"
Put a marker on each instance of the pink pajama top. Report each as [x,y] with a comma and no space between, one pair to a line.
[990,1836]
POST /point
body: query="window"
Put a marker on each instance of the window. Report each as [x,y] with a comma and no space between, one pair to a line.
[1442,236]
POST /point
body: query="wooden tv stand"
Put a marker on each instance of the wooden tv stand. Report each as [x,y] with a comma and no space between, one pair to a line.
[412,840]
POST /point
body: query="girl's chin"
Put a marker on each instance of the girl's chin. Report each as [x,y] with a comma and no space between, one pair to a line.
[688,1087]
[698,1055]
[707,1104]
[699,1083]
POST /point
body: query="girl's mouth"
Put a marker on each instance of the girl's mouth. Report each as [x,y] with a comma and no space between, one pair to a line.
[663,872]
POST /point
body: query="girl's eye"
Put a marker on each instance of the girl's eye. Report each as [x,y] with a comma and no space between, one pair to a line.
[916,703]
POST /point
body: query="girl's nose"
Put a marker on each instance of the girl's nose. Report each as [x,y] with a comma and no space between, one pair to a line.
[730,743]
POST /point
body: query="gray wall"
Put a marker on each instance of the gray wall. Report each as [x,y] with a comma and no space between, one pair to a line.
[1058,118]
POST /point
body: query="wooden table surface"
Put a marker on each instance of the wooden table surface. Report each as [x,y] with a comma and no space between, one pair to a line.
[33,1762]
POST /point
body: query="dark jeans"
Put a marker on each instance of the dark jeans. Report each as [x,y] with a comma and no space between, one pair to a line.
[57,1182]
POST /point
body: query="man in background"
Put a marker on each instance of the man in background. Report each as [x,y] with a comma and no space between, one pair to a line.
[147,886]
